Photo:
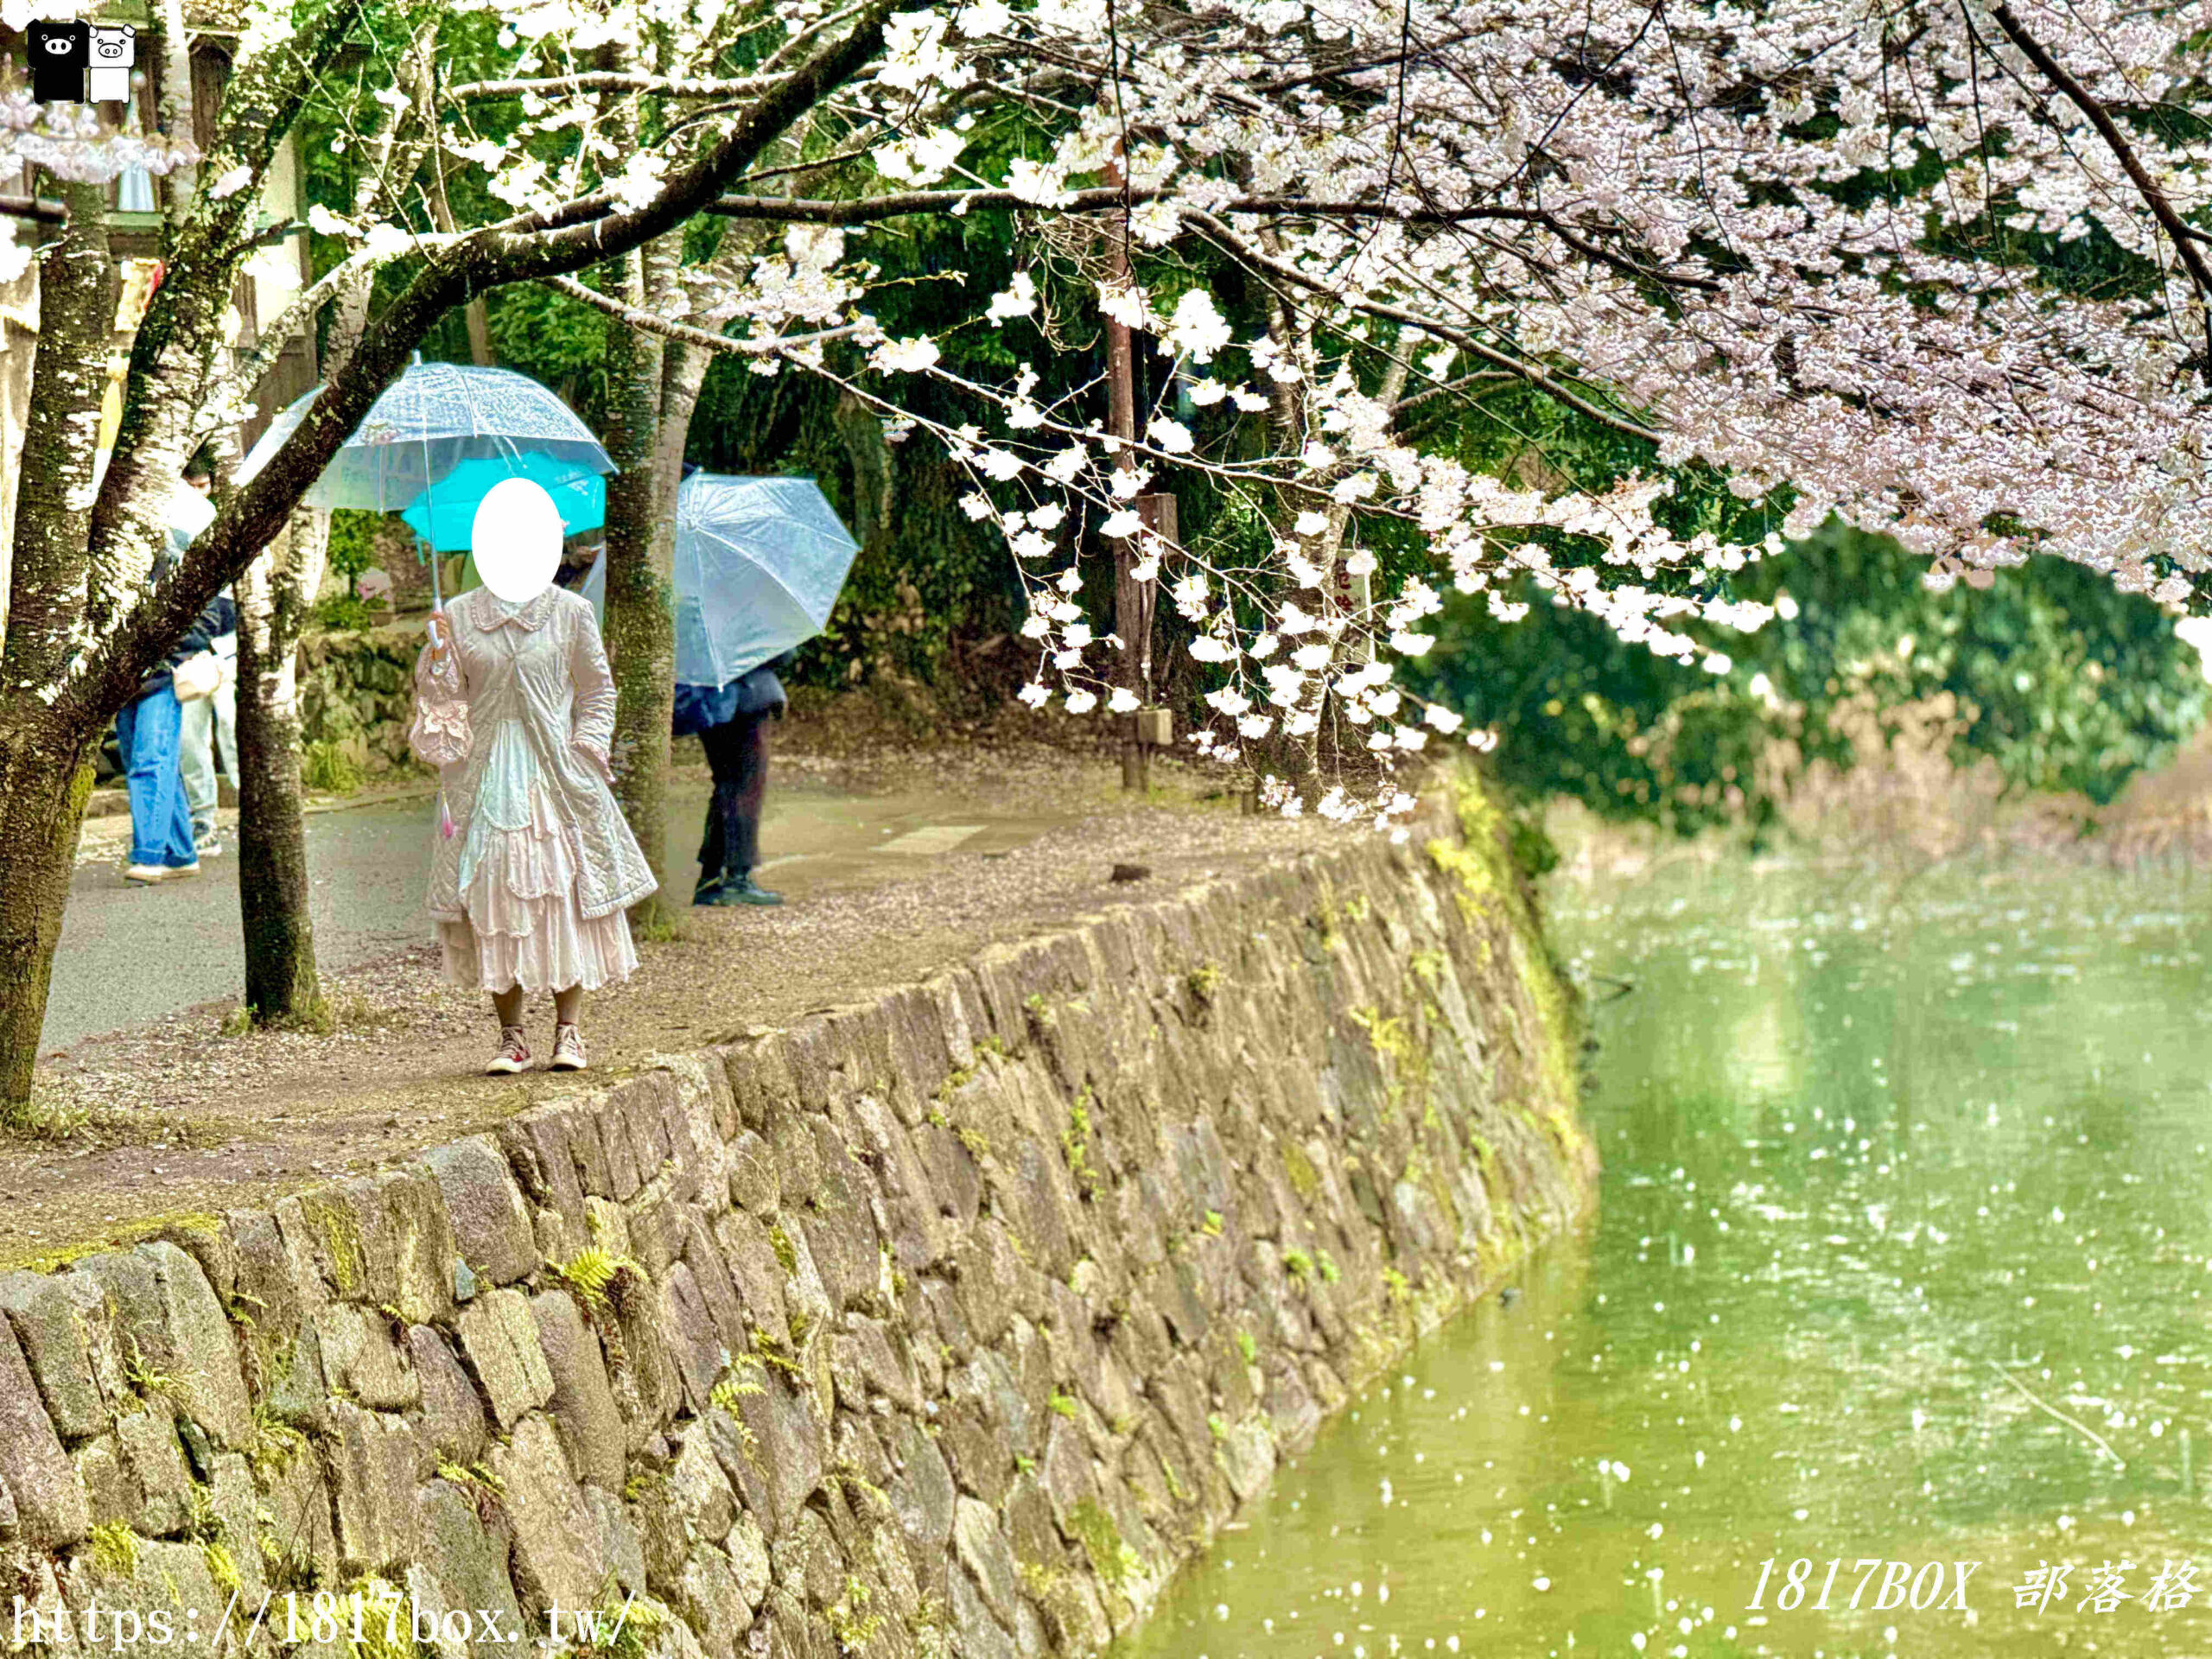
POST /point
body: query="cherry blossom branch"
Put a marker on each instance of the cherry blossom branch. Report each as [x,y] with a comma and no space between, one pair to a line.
[1542,379]
[811,32]
[689,333]
[2185,236]
[611,81]
[1106,198]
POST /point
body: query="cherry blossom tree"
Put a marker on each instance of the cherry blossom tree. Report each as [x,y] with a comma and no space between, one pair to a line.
[1938,269]
[1934,266]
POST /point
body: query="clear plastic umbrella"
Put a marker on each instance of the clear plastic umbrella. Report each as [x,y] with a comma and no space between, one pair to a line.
[759,563]
[427,422]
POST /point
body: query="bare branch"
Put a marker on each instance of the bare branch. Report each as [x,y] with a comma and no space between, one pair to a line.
[837,159]
[267,236]
[1454,387]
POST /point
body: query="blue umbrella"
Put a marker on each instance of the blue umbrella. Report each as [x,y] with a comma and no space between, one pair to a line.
[759,563]
[445,515]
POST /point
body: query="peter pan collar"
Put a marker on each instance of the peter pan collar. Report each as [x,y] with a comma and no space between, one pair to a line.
[490,612]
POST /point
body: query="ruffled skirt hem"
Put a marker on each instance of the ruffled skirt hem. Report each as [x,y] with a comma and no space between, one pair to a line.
[522,924]
[560,949]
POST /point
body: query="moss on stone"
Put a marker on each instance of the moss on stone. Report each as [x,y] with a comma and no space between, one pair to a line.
[1075,1146]
[115,1551]
[1298,1169]
[780,1242]
[851,1622]
[222,1567]
[341,1239]
[174,1226]
[1110,1556]
[275,1448]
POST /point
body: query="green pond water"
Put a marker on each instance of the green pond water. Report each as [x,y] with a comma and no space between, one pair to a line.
[1895,1171]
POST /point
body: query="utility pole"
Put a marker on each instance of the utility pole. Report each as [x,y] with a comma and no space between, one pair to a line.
[1147,726]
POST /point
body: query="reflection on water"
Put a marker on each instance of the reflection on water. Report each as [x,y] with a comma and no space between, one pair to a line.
[1901,1255]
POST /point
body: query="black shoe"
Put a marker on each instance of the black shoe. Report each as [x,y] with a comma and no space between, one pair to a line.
[707,888]
[739,889]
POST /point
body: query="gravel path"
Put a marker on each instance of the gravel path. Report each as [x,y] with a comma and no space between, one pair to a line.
[177,1117]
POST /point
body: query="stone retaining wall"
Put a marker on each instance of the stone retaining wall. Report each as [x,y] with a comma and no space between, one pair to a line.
[357,690]
[948,1324]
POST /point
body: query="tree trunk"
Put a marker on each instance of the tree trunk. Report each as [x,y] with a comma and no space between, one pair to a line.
[45,770]
[175,108]
[275,596]
[281,984]
[641,587]
[476,316]
[43,783]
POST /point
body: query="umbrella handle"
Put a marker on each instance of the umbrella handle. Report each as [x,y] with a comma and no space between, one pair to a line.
[441,631]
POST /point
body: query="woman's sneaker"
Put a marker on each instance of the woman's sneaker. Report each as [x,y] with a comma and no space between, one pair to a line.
[147,875]
[514,1052]
[568,1050]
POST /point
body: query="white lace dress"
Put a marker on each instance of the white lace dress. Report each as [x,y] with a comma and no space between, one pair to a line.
[531,887]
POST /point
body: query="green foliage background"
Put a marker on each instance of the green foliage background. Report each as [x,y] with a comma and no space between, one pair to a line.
[2063,682]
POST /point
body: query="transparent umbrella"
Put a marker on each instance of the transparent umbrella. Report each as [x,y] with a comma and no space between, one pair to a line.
[759,563]
[427,422]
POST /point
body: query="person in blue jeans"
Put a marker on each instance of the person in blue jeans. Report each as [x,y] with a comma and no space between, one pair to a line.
[149,730]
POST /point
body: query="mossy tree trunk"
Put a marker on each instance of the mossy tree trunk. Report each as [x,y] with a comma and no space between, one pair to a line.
[281,984]
[275,596]
[46,746]
[640,585]
[653,388]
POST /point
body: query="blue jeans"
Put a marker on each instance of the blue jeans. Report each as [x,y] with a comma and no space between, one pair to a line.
[161,820]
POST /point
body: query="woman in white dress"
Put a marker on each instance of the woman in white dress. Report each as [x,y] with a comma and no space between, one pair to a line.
[535,867]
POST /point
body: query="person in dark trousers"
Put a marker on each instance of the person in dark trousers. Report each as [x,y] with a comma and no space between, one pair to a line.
[731,722]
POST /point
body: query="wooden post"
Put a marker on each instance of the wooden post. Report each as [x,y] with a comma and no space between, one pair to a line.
[1133,600]
[1146,728]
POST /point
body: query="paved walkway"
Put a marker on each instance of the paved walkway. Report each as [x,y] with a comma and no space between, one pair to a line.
[129,954]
